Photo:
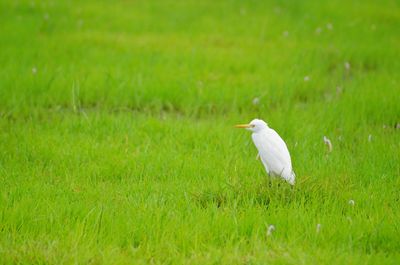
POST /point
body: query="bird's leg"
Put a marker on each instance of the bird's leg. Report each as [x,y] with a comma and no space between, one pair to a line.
[269,181]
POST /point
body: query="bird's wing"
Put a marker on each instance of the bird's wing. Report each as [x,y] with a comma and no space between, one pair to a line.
[265,165]
[273,151]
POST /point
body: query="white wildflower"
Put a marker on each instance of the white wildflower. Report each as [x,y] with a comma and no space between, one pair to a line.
[328,143]
[318,30]
[306,78]
[369,138]
[318,228]
[351,202]
[271,229]
[347,65]
[285,33]
[329,26]
[256,101]
[34,70]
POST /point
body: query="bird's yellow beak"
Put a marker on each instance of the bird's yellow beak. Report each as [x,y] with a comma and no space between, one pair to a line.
[242,126]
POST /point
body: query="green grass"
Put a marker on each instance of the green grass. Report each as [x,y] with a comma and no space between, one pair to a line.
[117,145]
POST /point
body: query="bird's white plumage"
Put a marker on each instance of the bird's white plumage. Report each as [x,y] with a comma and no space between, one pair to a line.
[273,151]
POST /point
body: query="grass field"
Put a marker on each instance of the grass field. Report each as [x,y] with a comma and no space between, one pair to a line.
[117,143]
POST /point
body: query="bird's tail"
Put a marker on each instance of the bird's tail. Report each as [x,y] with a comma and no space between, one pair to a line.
[292,178]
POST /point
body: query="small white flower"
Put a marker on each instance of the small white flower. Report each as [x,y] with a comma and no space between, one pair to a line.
[347,65]
[351,202]
[306,78]
[328,144]
[34,70]
[318,30]
[340,138]
[398,125]
[256,101]
[329,26]
[339,90]
[271,229]
[318,228]
[369,138]
[285,33]
[384,126]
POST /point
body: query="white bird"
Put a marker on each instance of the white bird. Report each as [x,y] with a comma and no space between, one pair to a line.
[272,150]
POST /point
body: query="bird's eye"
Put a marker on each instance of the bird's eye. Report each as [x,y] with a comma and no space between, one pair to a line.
[252,125]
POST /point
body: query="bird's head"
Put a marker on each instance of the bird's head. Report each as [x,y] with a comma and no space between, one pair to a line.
[255,125]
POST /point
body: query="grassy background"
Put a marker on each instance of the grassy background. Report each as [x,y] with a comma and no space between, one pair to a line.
[116,138]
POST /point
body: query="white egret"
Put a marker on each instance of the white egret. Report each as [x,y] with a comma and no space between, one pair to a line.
[272,150]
